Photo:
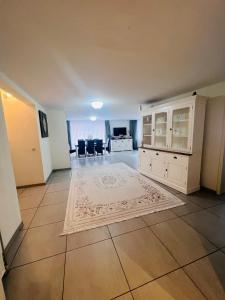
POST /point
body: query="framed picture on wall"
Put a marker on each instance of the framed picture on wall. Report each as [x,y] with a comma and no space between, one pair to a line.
[43,124]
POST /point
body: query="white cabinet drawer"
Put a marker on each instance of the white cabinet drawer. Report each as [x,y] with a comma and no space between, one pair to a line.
[178,158]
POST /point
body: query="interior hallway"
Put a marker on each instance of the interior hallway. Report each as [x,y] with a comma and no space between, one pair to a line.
[179,252]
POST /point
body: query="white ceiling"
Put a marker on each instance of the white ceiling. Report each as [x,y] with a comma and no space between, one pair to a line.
[124,52]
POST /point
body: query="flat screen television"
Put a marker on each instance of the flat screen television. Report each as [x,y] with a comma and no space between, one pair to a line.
[119,131]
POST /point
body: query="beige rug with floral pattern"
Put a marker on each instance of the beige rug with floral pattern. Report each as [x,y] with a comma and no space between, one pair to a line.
[112,193]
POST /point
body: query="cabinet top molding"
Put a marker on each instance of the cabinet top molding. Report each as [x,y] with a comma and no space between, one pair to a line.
[167,104]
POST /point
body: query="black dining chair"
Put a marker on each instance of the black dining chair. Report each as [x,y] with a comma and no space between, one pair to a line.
[99,147]
[90,148]
[81,148]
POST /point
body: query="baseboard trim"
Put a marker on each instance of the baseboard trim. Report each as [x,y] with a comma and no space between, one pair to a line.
[63,169]
[30,185]
[10,243]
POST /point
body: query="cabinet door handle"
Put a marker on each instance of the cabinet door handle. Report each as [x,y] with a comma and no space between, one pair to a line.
[175,157]
[157,153]
[143,151]
[150,165]
[166,170]
[153,129]
[171,129]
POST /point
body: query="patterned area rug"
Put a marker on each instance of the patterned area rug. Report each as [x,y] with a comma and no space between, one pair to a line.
[112,193]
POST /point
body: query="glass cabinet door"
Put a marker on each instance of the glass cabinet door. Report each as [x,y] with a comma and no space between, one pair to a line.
[160,130]
[181,129]
[147,131]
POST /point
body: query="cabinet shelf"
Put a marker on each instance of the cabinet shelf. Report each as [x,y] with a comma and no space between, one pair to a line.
[160,123]
[180,121]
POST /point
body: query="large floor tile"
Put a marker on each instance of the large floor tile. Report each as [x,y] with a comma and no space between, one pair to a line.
[41,242]
[20,191]
[159,217]
[35,190]
[174,286]
[143,257]
[185,243]
[218,210]
[204,199]
[94,272]
[186,209]
[30,201]
[55,187]
[60,178]
[27,216]
[127,296]
[126,226]
[49,214]
[14,247]
[209,275]
[209,225]
[55,197]
[42,280]
[87,237]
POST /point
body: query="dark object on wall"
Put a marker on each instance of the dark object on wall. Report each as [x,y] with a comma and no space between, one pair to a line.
[194,93]
[43,124]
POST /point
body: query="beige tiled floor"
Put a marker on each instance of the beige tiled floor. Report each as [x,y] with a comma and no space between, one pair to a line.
[172,255]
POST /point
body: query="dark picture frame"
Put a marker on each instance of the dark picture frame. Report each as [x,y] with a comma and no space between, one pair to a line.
[43,124]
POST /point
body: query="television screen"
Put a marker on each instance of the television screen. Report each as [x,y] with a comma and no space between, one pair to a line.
[119,131]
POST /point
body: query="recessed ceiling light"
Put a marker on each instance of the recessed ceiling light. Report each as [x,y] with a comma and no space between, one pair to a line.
[97,104]
[93,118]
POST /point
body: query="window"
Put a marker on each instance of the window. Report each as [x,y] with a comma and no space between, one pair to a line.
[86,130]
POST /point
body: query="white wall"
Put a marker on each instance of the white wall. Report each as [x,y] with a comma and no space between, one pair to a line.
[44,146]
[10,217]
[119,123]
[22,130]
[214,90]
[58,139]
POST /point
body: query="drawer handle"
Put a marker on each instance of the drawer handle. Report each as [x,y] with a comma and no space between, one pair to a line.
[143,151]
[150,165]
[153,129]
[171,129]
[157,153]
[166,170]
[175,157]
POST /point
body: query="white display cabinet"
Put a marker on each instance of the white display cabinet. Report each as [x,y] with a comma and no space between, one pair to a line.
[172,143]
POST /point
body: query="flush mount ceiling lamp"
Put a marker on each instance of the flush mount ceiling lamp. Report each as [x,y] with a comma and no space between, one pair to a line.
[93,118]
[97,104]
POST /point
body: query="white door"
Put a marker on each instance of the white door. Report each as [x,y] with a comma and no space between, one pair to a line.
[176,170]
[158,164]
[181,128]
[160,129]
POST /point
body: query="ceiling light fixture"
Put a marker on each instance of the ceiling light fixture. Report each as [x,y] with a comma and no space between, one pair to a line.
[97,104]
[93,118]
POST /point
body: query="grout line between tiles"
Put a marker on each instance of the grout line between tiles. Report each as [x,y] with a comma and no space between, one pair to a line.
[120,262]
[26,230]
[64,270]
[202,234]
[37,260]
[181,267]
